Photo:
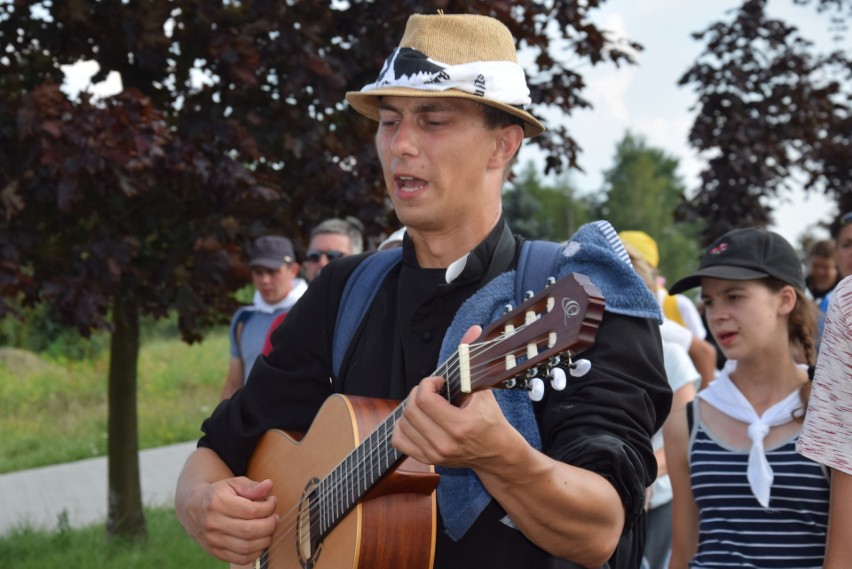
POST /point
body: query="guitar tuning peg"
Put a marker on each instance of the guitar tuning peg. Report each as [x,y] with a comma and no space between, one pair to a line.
[558,379]
[536,387]
[550,281]
[528,295]
[507,308]
[580,368]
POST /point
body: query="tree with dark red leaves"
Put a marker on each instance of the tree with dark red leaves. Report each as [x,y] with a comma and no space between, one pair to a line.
[770,110]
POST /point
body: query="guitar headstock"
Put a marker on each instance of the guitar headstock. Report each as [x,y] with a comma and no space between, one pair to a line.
[562,318]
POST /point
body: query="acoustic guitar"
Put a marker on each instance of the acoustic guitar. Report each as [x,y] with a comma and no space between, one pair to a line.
[347,499]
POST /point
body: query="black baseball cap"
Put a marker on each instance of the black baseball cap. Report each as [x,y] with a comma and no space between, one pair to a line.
[746,254]
[271,252]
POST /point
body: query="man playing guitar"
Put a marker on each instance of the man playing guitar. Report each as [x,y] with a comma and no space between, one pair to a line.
[450,110]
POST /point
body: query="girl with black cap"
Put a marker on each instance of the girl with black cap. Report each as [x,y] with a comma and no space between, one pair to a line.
[743,497]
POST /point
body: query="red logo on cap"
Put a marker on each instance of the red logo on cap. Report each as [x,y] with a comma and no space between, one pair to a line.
[718,248]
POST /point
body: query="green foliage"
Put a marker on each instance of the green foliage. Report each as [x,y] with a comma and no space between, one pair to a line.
[642,186]
[642,190]
[164,328]
[539,211]
[34,329]
[179,386]
[522,207]
[167,546]
[245,295]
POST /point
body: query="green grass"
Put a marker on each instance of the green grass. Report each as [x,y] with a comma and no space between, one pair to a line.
[54,411]
[166,546]
[58,413]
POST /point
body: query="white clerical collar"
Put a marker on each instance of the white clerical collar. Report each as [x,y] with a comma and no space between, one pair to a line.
[455,269]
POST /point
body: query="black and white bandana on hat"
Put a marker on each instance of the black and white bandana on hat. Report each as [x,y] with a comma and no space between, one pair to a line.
[408,68]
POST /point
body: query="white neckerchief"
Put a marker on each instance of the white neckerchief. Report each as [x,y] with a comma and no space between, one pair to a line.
[502,81]
[727,398]
[298,289]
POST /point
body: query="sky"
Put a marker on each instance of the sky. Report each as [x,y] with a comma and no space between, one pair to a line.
[646,100]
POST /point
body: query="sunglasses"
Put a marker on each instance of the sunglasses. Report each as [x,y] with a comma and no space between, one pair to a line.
[314,255]
[846,219]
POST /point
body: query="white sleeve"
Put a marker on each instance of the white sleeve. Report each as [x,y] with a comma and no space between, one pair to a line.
[679,367]
[690,315]
[671,331]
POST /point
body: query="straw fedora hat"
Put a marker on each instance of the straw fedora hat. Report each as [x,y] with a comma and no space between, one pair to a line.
[462,56]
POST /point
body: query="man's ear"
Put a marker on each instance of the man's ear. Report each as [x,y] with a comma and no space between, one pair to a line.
[295,268]
[508,142]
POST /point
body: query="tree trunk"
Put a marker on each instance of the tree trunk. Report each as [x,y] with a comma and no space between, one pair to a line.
[125,517]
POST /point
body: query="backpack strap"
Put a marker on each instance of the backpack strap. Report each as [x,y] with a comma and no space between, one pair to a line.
[537,262]
[358,294]
[238,323]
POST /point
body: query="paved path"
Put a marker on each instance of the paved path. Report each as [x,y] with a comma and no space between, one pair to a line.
[37,498]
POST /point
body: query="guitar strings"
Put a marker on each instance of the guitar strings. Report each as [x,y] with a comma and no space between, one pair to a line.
[450,368]
[450,371]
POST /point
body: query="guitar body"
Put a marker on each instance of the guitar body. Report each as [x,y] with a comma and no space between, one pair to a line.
[392,526]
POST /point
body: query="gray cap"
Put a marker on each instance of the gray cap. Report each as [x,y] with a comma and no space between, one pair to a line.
[271,252]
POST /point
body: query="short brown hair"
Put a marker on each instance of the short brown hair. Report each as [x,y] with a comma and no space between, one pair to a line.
[823,248]
[495,118]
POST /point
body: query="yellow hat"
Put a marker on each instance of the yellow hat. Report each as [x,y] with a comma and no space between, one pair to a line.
[643,244]
[463,56]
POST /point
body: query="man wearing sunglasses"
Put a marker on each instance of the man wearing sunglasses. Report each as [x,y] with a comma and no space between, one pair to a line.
[330,240]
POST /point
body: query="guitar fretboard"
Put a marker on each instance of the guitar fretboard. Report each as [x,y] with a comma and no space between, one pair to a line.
[338,492]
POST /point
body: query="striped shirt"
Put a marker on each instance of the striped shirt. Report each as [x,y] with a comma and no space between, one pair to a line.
[734,530]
